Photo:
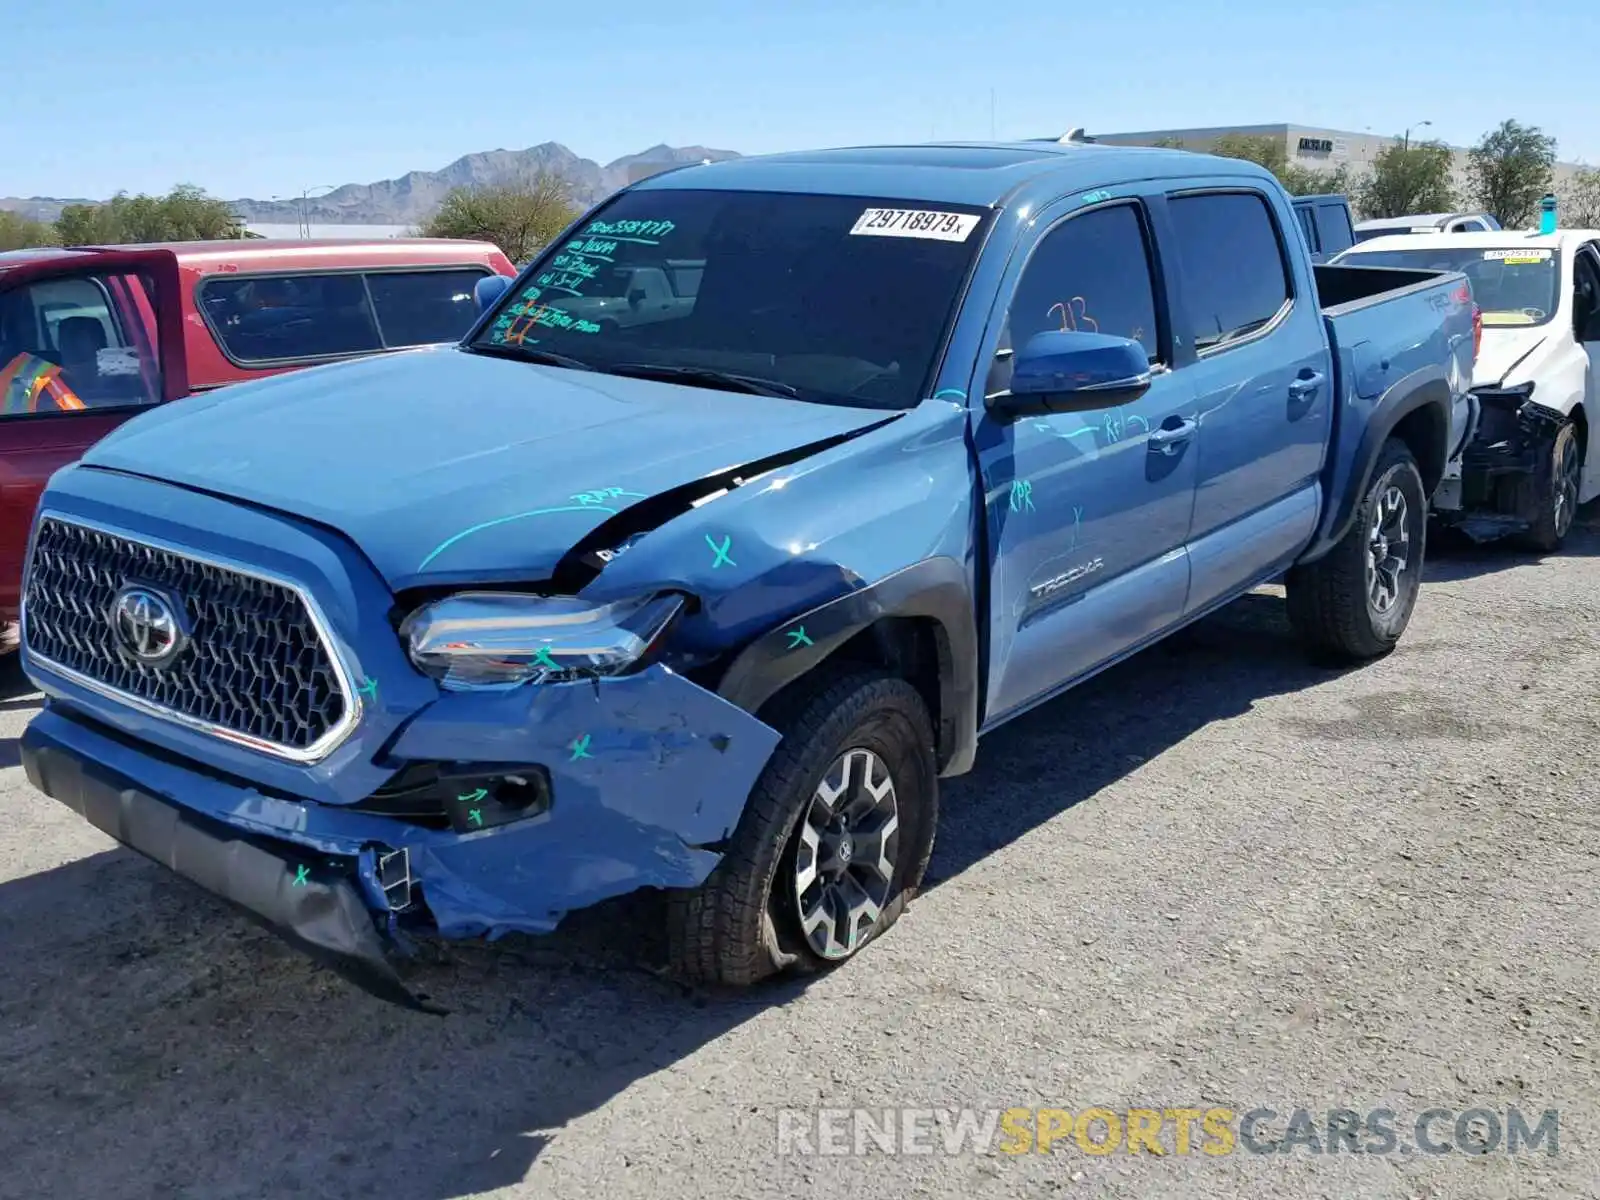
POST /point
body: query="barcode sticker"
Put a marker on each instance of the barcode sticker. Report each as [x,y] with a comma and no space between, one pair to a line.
[1525,255]
[915,223]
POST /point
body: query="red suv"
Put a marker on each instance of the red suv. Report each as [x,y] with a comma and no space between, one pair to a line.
[80,328]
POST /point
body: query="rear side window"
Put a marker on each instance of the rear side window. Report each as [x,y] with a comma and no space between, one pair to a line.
[418,307]
[330,314]
[1333,228]
[1306,224]
[1234,275]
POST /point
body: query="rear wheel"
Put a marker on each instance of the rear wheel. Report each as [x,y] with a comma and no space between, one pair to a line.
[1549,498]
[1355,602]
[833,841]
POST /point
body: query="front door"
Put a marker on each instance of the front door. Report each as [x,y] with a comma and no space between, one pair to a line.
[1087,513]
[81,351]
[1586,320]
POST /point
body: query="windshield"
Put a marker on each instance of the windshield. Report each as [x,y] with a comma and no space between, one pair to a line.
[1513,286]
[837,299]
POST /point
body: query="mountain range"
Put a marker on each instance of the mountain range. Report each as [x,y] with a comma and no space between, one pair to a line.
[414,196]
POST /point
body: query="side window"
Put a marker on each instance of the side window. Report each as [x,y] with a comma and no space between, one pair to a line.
[1090,273]
[1333,227]
[1308,227]
[1235,279]
[75,344]
[416,308]
[272,318]
[1586,296]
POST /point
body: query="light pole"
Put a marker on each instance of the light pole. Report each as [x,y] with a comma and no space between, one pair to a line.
[305,195]
[1406,143]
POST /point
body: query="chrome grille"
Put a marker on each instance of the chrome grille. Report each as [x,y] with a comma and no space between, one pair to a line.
[256,669]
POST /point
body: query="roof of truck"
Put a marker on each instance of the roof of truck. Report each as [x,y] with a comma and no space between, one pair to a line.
[976,173]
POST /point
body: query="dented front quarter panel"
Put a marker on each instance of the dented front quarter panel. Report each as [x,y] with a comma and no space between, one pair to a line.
[805,534]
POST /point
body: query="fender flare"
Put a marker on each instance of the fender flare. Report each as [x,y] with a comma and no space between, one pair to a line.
[936,589]
[1419,392]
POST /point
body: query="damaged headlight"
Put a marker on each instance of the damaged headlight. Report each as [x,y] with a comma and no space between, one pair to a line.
[493,640]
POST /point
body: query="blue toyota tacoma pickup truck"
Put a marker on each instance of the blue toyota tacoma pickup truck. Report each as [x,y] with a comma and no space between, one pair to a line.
[734,523]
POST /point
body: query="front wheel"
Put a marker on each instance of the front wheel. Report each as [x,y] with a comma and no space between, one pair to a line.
[1355,602]
[1549,498]
[833,841]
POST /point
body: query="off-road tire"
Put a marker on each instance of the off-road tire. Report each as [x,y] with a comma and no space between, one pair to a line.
[1329,602]
[741,925]
[1535,495]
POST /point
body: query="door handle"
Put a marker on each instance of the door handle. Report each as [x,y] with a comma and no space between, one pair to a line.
[1305,385]
[1168,438]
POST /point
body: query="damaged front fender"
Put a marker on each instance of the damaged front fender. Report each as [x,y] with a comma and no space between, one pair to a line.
[647,771]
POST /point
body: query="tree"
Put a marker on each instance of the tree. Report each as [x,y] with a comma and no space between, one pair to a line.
[1270,152]
[520,218]
[1409,178]
[1310,181]
[1509,169]
[1580,199]
[185,214]
[18,232]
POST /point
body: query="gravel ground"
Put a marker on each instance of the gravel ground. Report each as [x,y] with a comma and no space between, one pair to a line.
[1213,877]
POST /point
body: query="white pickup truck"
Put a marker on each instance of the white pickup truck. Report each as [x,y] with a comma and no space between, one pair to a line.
[1526,459]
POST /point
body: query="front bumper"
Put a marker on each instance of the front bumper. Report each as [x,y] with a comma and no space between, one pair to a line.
[648,775]
[312,901]
[1513,442]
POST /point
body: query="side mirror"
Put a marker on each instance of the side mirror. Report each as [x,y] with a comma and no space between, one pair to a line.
[488,290]
[635,297]
[1066,371]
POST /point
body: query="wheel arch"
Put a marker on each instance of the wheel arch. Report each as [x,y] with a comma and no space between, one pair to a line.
[1419,415]
[918,623]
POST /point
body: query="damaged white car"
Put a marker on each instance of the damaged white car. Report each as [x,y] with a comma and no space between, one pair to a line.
[1525,462]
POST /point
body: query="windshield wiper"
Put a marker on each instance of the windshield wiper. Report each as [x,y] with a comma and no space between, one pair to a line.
[547,358]
[706,377]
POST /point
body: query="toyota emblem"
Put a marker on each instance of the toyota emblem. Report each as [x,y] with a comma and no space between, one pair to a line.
[146,625]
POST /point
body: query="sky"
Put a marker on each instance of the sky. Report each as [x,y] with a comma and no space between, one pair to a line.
[269,99]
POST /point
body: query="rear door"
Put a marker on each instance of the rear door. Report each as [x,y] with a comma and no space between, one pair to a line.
[86,342]
[1262,377]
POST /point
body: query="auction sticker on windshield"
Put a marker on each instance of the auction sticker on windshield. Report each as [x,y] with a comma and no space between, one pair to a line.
[915,223]
[1517,256]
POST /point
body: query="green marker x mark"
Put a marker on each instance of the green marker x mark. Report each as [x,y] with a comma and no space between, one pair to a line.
[580,748]
[301,875]
[721,551]
[798,638]
[369,688]
[544,660]
[476,817]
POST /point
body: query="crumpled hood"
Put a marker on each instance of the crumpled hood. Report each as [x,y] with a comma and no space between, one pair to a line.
[447,466]
[1505,347]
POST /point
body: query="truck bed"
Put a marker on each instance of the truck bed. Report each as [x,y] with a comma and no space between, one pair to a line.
[1387,325]
[1343,287]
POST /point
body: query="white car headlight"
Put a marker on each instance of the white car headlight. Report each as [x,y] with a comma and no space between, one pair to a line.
[496,640]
